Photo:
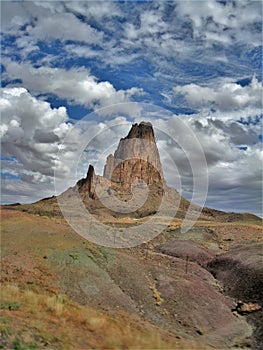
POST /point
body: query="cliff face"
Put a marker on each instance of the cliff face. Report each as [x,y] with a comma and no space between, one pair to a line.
[134,169]
[136,158]
[87,185]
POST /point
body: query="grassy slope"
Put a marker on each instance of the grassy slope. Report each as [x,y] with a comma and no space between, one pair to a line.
[32,319]
[35,313]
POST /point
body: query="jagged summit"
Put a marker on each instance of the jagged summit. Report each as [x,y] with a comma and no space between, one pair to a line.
[144,130]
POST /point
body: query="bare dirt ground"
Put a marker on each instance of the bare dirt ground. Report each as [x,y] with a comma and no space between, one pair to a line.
[62,292]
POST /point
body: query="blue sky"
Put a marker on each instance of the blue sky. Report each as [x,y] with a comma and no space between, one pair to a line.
[199,60]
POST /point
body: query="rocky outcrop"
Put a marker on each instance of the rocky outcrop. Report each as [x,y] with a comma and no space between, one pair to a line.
[246,308]
[132,174]
[136,159]
[86,185]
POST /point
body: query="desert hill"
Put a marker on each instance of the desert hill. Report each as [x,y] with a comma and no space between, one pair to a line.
[176,291]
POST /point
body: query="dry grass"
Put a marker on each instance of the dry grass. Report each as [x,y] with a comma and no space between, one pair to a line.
[51,321]
[47,319]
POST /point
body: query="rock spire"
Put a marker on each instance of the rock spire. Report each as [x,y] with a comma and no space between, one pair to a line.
[136,158]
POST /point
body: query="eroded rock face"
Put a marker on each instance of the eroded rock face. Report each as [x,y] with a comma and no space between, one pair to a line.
[144,130]
[87,185]
[134,170]
[136,158]
[241,273]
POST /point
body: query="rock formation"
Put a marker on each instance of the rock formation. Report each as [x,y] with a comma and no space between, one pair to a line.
[136,158]
[136,162]
[87,185]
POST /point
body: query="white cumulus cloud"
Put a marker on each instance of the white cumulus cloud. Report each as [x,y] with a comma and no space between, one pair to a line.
[77,85]
[31,130]
[226,97]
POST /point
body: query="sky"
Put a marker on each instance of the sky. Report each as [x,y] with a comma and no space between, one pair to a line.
[81,72]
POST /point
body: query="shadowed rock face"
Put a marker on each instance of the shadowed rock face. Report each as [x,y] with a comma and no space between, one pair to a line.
[241,272]
[143,130]
[87,185]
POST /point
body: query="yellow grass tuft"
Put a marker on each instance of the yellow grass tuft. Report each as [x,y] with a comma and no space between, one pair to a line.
[53,320]
[54,303]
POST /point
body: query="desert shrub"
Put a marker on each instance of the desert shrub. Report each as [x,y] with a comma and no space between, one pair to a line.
[9,305]
[74,256]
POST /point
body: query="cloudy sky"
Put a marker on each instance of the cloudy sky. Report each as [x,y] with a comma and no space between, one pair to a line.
[64,63]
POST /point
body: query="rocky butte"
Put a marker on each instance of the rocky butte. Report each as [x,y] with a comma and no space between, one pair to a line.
[136,162]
